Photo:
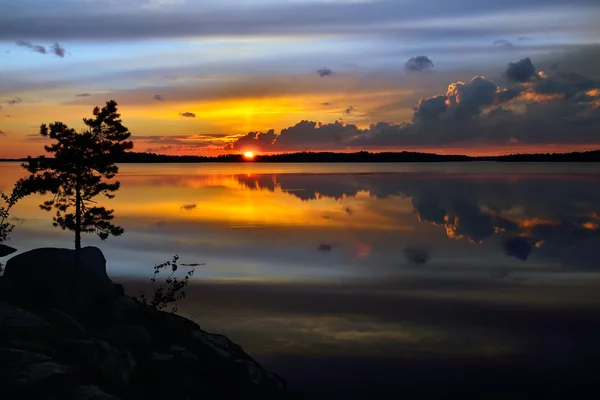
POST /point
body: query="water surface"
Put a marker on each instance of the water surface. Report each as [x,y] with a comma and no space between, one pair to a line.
[382,270]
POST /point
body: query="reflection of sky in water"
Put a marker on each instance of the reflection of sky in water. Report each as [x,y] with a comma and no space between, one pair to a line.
[313,264]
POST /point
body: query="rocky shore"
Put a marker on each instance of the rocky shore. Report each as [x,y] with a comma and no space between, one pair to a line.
[67,334]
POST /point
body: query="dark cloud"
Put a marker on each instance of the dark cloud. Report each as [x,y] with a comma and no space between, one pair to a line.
[416,255]
[14,101]
[566,84]
[418,63]
[34,47]
[188,207]
[55,49]
[254,141]
[325,248]
[83,95]
[2,133]
[324,72]
[518,247]
[466,100]
[349,110]
[158,97]
[325,103]
[478,109]
[502,43]
[58,50]
[521,71]
[187,114]
[430,109]
[86,20]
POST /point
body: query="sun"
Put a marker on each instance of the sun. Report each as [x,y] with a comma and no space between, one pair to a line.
[249,155]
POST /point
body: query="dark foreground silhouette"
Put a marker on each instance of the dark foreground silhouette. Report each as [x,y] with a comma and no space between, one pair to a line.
[75,335]
[359,157]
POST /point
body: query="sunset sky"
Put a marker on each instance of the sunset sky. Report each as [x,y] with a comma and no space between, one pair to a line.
[211,77]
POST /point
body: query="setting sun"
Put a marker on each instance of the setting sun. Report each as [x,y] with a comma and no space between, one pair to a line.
[249,155]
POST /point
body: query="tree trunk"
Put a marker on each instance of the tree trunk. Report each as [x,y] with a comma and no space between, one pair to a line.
[77,217]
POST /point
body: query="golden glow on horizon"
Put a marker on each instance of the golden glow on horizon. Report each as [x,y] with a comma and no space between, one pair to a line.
[249,155]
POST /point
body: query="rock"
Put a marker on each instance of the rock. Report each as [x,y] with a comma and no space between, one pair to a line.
[82,392]
[6,250]
[15,321]
[219,344]
[179,367]
[49,276]
[21,369]
[124,309]
[119,289]
[249,372]
[112,369]
[135,339]
[64,324]
[167,328]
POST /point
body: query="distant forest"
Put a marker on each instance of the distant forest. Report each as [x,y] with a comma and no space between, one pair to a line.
[359,157]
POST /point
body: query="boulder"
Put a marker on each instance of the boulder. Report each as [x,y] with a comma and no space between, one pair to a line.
[49,276]
[124,309]
[112,369]
[6,250]
[82,392]
[21,370]
[167,328]
[64,324]
[135,339]
[16,321]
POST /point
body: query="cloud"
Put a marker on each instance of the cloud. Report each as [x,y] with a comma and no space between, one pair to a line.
[253,141]
[324,72]
[2,133]
[502,43]
[55,48]
[523,38]
[58,50]
[85,21]
[82,95]
[521,71]
[533,108]
[416,255]
[518,247]
[158,97]
[14,101]
[325,248]
[31,46]
[419,63]
[326,103]
[187,115]
[430,110]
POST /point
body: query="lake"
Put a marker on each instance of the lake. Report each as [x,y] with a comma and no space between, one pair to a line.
[360,280]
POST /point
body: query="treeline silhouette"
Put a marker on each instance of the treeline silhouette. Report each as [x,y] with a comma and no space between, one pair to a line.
[586,156]
[302,157]
[358,157]
[361,157]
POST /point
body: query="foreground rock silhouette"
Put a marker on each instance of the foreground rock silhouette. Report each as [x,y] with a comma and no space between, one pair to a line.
[77,336]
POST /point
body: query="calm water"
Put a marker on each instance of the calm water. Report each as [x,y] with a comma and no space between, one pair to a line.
[391,272]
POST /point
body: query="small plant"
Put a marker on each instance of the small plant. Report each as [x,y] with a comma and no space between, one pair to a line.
[172,290]
[5,226]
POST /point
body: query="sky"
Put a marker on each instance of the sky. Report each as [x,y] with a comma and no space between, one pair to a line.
[211,77]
